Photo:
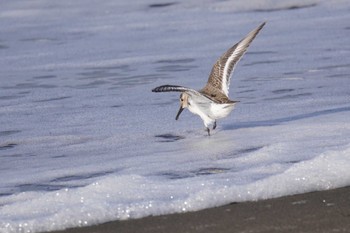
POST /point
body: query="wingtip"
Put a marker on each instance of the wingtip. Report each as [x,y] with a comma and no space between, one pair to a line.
[255,31]
[262,25]
[156,89]
[170,88]
[160,88]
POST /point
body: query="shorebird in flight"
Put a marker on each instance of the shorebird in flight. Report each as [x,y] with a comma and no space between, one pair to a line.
[212,102]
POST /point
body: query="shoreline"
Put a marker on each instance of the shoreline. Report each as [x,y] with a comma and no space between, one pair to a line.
[320,211]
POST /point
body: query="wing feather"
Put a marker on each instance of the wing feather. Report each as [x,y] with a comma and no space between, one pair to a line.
[220,75]
[174,88]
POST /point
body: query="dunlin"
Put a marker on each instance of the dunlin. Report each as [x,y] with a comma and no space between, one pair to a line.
[212,102]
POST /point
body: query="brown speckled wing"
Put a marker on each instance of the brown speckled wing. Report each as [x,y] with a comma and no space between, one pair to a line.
[215,95]
[220,75]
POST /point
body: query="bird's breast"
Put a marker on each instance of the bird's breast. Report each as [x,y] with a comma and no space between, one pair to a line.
[218,111]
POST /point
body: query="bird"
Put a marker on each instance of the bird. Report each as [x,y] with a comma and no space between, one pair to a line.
[212,102]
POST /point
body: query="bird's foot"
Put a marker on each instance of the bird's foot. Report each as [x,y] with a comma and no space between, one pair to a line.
[208,130]
[214,126]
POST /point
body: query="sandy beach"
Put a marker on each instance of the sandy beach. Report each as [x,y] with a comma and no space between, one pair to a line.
[323,211]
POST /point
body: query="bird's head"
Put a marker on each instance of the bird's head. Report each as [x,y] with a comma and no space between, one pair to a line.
[184,98]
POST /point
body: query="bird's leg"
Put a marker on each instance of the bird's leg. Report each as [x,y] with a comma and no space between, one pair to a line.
[208,130]
[214,126]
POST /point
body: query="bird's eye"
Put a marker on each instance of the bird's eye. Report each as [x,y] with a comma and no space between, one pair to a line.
[181,99]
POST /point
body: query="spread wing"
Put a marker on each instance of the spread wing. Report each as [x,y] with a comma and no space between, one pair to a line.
[214,96]
[219,79]
[174,88]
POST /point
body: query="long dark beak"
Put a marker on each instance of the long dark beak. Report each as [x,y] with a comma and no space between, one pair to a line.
[179,112]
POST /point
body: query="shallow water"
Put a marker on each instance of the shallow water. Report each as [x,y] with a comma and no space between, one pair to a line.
[83,140]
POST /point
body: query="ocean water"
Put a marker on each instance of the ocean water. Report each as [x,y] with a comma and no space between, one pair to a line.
[83,140]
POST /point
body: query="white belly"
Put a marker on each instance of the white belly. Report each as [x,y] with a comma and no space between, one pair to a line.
[218,111]
[210,111]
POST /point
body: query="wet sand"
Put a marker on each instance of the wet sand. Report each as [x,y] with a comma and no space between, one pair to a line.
[325,211]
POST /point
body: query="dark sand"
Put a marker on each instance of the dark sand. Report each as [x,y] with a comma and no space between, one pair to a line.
[326,211]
